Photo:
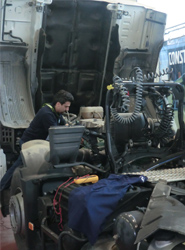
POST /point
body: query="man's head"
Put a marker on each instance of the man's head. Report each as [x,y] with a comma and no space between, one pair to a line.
[62,101]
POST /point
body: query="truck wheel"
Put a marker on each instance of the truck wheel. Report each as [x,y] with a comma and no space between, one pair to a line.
[17,216]
[16,209]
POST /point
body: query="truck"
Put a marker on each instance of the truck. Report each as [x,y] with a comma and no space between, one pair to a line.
[172,53]
[115,177]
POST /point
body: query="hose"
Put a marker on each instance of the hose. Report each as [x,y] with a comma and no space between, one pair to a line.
[151,75]
[138,102]
[164,131]
[165,160]
[108,135]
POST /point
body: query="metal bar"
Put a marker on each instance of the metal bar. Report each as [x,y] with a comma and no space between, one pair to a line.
[106,57]
[68,165]
[15,20]
[49,233]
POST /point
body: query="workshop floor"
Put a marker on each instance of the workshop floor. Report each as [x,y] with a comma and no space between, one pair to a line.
[7,241]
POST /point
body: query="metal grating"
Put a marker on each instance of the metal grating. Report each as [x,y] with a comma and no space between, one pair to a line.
[170,175]
[7,136]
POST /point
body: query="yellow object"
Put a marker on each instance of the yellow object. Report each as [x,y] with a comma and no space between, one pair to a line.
[86,179]
[109,87]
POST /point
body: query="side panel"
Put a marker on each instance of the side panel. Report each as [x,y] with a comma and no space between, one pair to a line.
[19,22]
[141,32]
[16,105]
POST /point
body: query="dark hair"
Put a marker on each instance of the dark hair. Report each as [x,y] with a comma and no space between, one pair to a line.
[62,96]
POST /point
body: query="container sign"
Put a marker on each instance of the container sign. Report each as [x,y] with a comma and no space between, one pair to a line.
[172,56]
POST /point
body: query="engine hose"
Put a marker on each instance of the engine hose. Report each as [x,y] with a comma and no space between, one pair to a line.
[166,159]
[166,123]
[124,98]
[151,75]
[108,135]
[138,102]
[167,119]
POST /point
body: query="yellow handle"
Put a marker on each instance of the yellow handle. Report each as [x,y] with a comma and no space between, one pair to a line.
[86,179]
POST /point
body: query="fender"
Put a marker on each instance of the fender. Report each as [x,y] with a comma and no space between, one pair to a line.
[35,156]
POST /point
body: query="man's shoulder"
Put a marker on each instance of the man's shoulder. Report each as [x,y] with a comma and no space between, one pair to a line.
[45,110]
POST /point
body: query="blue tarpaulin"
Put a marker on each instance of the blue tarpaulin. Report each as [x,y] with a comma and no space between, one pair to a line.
[90,205]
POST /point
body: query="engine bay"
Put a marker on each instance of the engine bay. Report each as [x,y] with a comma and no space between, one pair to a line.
[143,119]
[140,141]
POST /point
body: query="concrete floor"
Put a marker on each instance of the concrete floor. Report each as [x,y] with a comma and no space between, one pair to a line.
[7,241]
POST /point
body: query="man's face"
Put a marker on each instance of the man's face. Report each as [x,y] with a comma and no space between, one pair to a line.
[61,108]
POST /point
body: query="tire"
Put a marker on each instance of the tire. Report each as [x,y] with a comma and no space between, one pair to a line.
[17,217]
[16,209]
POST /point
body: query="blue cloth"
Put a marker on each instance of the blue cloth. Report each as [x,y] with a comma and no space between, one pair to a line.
[90,205]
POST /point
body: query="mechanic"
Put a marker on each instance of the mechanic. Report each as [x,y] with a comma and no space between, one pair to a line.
[49,115]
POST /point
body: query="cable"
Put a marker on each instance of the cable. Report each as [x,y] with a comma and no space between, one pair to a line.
[108,134]
[55,202]
[138,102]
[166,160]
[59,212]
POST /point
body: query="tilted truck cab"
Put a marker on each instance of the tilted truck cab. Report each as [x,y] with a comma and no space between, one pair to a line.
[126,130]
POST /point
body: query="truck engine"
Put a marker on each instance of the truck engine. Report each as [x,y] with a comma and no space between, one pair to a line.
[137,139]
[114,178]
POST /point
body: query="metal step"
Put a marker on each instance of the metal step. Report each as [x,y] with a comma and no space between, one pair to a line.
[170,175]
